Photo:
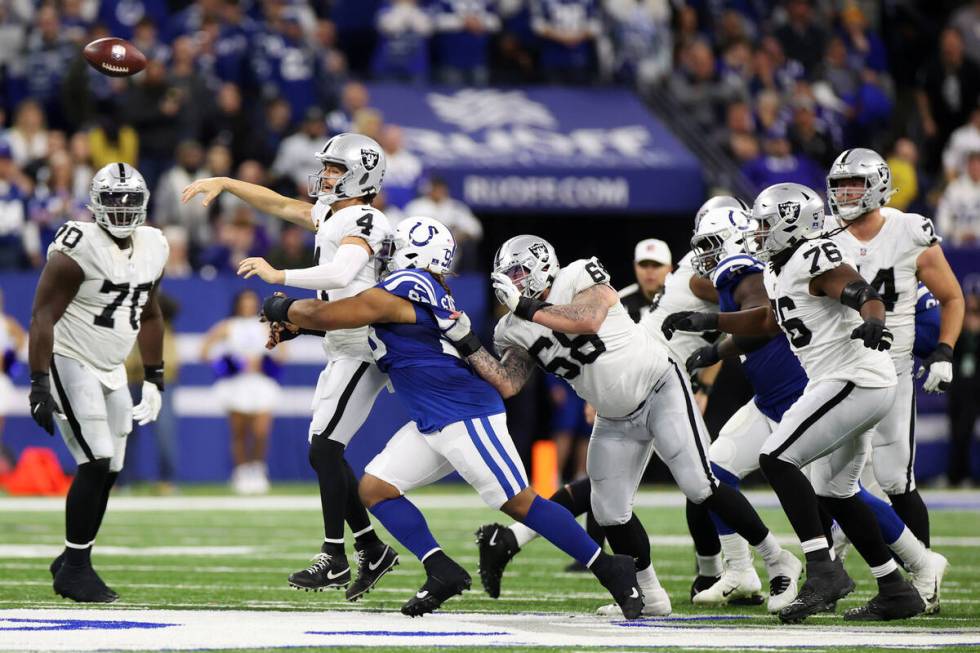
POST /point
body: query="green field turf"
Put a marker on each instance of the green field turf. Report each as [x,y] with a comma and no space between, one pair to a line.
[278,542]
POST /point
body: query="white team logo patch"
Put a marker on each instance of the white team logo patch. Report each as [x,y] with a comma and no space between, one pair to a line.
[789,211]
[369,158]
[118,53]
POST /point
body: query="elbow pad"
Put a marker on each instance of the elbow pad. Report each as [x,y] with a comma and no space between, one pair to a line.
[856,293]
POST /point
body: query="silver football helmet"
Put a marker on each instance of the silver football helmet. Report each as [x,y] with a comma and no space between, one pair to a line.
[849,203]
[720,234]
[785,214]
[364,164]
[530,262]
[118,198]
[719,202]
[423,243]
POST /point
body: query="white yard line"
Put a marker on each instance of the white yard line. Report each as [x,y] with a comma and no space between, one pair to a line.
[90,630]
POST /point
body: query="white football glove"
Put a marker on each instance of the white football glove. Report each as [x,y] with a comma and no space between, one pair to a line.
[939,367]
[507,293]
[149,408]
[455,328]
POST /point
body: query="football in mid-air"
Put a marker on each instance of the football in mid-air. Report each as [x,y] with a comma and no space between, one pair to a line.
[114,57]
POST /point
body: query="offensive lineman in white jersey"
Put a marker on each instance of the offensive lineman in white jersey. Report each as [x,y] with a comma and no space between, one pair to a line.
[643,400]
[894,251]
[835,323]
[350,235]
[97,295]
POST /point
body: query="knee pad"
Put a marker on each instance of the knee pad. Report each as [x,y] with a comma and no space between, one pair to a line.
[326,454]
[723,452]
[608,507]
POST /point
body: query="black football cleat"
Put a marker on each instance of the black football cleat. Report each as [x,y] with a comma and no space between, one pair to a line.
[56,564]
[372,564]
[899,602]
[617,573]
[82,584]
[325,572]
[497,546]
[441,584]
[826,583]
[702,583]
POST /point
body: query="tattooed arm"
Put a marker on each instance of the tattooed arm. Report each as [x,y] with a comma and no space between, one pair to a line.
[585,314]
[509,374]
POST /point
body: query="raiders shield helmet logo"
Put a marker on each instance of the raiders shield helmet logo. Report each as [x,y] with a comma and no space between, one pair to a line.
[539,251]
[369,158]
[789,211]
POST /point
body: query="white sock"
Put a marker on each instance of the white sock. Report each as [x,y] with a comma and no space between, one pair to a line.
[833,553]
[710,565]
[736,551]
[770,550]
[522,533]
[647,578]
[910,550]
[883,570]
[815,544]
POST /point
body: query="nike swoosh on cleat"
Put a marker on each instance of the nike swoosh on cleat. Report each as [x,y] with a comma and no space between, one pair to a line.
[728,592]
[493,538]
[635,594]
[374,565]
[422,594]
[331,575]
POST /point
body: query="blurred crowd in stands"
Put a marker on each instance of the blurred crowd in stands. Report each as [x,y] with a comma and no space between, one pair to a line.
[251,88]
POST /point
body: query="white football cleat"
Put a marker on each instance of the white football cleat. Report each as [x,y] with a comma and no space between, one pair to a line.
[733,584]
[656,603]
[783,585]
[929,581]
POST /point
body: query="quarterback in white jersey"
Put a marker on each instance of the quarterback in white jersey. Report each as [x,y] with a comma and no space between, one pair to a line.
[351,237]
[834,321]
[894,251]
[96,297]
[570,322]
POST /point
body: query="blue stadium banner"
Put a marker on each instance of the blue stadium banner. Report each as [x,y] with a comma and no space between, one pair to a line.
[550,149]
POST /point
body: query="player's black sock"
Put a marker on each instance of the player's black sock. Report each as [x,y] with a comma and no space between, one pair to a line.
[702,530]
[796,496]
[82,508]
[327,459]
[592,527]
[912,509]
[732,506]
[861,528]
[357,515]
[109,482]
[630,539]
[827,522]
[435,560]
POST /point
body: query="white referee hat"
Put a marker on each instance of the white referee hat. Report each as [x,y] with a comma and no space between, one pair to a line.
[654,250]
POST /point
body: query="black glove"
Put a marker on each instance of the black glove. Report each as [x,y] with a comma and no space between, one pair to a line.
[276,308]
[42,403]
[703,357]
[689,321]
[874,334]
[154,374]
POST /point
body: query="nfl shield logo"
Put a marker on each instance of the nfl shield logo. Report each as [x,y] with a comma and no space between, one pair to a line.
[369,158]
[789,211]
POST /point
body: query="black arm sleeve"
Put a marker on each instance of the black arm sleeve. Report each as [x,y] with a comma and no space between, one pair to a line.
[857,293]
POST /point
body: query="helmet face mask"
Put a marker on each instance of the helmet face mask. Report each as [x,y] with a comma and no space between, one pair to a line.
[859,182]
[363,164]
[530,262]
[118,199]
[722,232]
